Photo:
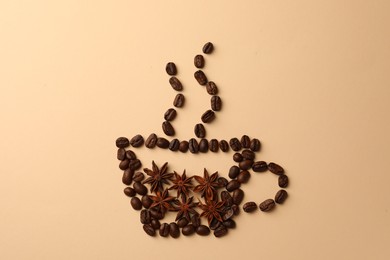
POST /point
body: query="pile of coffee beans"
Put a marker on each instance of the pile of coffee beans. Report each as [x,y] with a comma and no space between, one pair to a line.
[155,190]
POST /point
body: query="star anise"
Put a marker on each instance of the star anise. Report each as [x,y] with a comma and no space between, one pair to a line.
[208,185]
[185,208]
[162,201]
[212,209]
[158,177]
[182,184]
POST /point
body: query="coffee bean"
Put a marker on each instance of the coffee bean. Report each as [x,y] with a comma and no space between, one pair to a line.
[245,141]
[188,230]
[224,146]
[227,198]
[283,181]
[267,205]
[164,230]
[220,231]
[156,214]
[179,100]
[208,116]
[233,172]
[171,68]
[214,224]
[170,114]
[275,168]
[236,209]
[174,230]
[208,48]
[137,141]
[195,220]
[121,154]
[136,203]
[200,131]
[149,230]
[193,145]
[122,142]
[229,223]
[123,165]
[182,222]
[222,181]
[151,141]
[281,196]
[255,145]
[199,61]
[238,196]
[127,177]
[216,103]
[145,216]
[162,143]
[138,176]
[249,207]
[233,185]
[203,146]
[183,146]
[235,144]
[130,155]
[176,84]
[248,154]
[237,157]
[155,223]
[146,201]
[168,128]
[200,77]
[214,146]
[130,192]
[244,176]
[203,230]
[140,188]
[174,145]
[228,214]
[211,88]
[135,164]
[245,164]
[259,166]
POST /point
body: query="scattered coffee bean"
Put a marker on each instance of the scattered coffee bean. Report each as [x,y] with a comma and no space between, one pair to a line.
[236,209]
[245,141]
[214,146]
[227,198]
[283,181]
[174,145]
[238,196]
[235,144]
[200,77]
[156,214]
[174,230]
[255,145]
[244,176]
[193,145]
[245,164]
[195,220]
[233,185]
[199,61]
[135,164]
[171,68]
[123,165]
[136,203]
[155,223]
[138,177]
[170,114]
[151,141]
[149,230]
[140,188]
[208,116]
[176,84]
[233,172]
[214,224]
[168,128]
[228,214]
[179,100]
[127,177]
[259,166]
[164,230]
[229,223]
[203,145]
[208,48]
[281,196]
[183,146]
[121,154]
[130,192]
[146,201]
[224,146]
[249,207]
[211,88]
[122,142]
[220,231]
[145,216]
[182,222]
[203,230]
[267,205]
[275,168]
[162,143]
[248,154]
[222,181]
[200,131]
[130,155]
[216,103]
[237,157]
[188,230]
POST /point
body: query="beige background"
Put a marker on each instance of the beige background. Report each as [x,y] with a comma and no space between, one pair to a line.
[309,78]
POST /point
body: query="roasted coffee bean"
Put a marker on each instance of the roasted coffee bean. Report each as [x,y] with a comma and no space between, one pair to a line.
[245,141]
[121,154]
[236,209]
[237,157]
[224,146]
[188,230]
[138,176]
[127,177]
[235,144]
[233,185]
[227,198]
[200,131]
[146,201]
[155,223]
[234,171]
[174,230]
[164,230]
[216,103]
[170,114]
[171,68]
[162,143]
[203,230]
[238,196]
[267,205]
[228,214]
[220,231]
[259,166]
[122,142]
[176,84]
[255,145]
[174,145]
[130,155]
[275,168]
[214,224]
[199,61]
[156,214]
[208,48]
[179,100]
[208,116]
[249,207]
[129,192]
[182,222]
[140,188]
[229,223]
[145,216]
[168,128]
[151,141]
[244,177]
[135,164]
[222,181]
[214,146]
[248,154]
[123,165]
[149,230]
[203,145]
[193,145]
[281,196]
[245,164]
[136,203]
[137,141]
[195,220]
[283,181]
[211,88]
[183,146]
[200,77]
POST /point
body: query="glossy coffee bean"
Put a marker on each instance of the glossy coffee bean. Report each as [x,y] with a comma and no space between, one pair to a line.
[199,61]
[140,188]
[149,230]
[182,222]
[162,143]
[275,168]
[170,114]
[188,230]
[179,100]
[234,171]
[170,68]
[195,220]
[174,230]
[156,214]
[200,131]
[216,103]
[255,145]
[214,146]
[259,166]
[127,177]
[145,216]
[233,185]
[176,84]
[121,154]
[227,198]
[222,181]
[228,214]
[244,176]
[220,231]
[224,146]
[245,141]
[123,165]
[174,145]
[203,146]
[237,157]
[208,48]
[208,116]
[146,201]
[236,209]
[164,230]
[245,164]
[267,205]
[130,192]
[193,145]
[229,223]
[249,206]
[238,196]
[281,196]
[135,164]
[130,155]
[136,203]
[138,176]
[283,181]
[200,77]
[122,142]
[214,224]
[235,144]
[183,146]
[203,230]
[211,88]
[155,223]
[137,141]
[248,154]
[168,128]
[151,141]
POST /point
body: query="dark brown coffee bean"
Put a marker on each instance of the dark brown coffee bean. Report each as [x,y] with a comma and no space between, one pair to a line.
[214,146]
[182,222]
[162,143]
[171,68]
[233,185]
[267,205]
[203,145]
[203,230]
[208,48]
[123,165]
[200,77]
[229,223]
[122,142]
[237,157]
[121,154]
[236,209]
[174,230]
[164,230]
[188,230]
[149,230]
[259,166]
[220,231]
[176,84]
[145,216]
[156,214]
[222,181]
[127,177]
[170,114]
[183,146]
[233,172]
[193,145]
[138,176]
[200,131]
[238,196]
[130,155]
[283,181]
[199,61]
[211,88]
[168,128]
[195,220]
[281,196]
[130,192]
[255,145]
[245,164]
[155,223]
[214,224]
[228,214]
[248,154]
[179,100]
[245,141]
[146,201]
[244,177]
[174,145]
[140,188]
[137,141]
[136,203]
[227,198]
[275,168]
[224,146]
[208,116]
[135,164]
[235,144]
[216,103]
[249,207]
[151,141]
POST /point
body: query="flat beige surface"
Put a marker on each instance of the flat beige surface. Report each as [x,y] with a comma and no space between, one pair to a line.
[310,79]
